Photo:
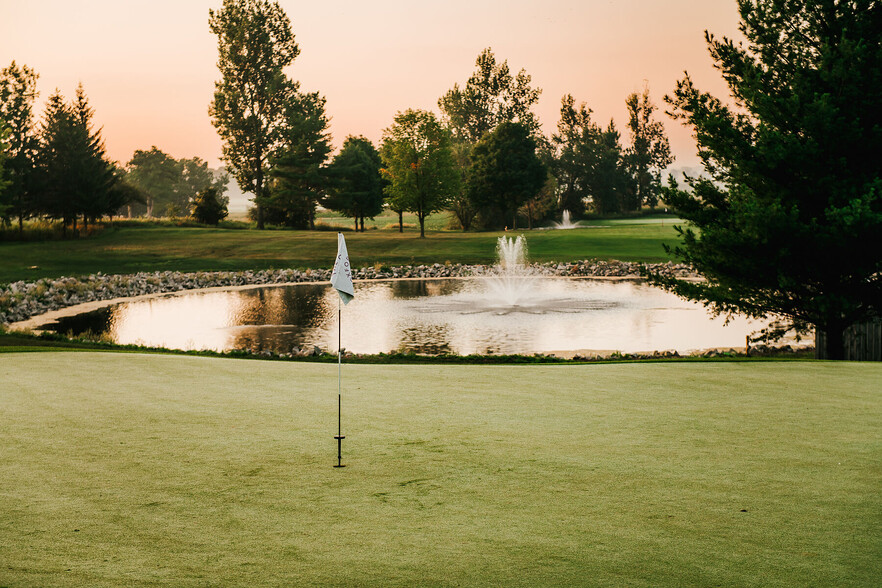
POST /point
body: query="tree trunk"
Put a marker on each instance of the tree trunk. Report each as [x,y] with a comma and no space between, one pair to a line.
[422,218]
[400,221]
[355,218]
[258,200]
[362,223]
[834,342]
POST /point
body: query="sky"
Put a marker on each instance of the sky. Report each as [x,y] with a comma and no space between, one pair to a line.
[149,66]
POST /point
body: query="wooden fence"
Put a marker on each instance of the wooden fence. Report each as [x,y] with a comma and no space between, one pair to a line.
[863,342]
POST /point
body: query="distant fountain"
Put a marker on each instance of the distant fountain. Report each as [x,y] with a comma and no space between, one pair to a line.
[565,222]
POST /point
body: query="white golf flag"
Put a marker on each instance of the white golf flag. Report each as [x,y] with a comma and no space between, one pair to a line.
[341,277]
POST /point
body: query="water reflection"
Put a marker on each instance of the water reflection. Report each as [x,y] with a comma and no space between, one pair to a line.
[424,316]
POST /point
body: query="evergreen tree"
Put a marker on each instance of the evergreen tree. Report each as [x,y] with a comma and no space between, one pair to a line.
[505,173]
[73,176]
[209,207]
[357,188]
[94,173]
[298,171]
[252,100]
[419,165]
[18,91]
[789,222]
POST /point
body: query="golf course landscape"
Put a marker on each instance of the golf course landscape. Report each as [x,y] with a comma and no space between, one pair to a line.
[140,469]
[530,294]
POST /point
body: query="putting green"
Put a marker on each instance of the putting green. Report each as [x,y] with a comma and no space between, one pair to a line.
[128,469]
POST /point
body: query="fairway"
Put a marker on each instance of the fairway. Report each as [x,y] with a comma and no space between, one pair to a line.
[148,470]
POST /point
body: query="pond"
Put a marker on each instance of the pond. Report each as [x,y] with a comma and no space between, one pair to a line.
[460,316]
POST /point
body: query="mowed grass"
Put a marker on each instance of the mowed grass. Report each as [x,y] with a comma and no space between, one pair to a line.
[147,470]
[132,249]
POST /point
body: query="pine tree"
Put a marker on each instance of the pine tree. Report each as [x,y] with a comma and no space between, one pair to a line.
[789,222]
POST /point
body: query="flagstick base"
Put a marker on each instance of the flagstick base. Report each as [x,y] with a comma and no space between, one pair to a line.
[339,439]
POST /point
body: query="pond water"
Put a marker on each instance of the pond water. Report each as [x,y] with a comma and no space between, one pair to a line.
[460,316]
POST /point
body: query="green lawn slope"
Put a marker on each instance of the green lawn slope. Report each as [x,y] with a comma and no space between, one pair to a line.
[128,250]
[152,470]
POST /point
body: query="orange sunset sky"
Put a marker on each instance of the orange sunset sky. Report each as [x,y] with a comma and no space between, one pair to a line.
[148,66]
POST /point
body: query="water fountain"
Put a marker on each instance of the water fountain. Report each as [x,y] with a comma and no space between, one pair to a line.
[513,286]
[511,281]
[566,222]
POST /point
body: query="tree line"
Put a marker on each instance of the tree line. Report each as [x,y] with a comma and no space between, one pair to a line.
[484,158]
[58,168]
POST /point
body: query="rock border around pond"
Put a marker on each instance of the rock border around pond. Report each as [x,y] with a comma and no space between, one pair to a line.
[22,300]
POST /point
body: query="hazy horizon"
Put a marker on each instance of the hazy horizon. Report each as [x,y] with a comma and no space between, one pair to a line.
[149,67]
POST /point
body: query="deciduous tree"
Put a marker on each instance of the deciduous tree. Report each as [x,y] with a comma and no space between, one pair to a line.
[505,173]
[491,96]
[159,176]
[357,186]
[419,164]
[298,172]
[18,91]
[789,222]
[252,99]
[649,153]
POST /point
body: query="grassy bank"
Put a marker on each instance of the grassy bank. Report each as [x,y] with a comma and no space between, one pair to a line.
[149,470]
[128,250]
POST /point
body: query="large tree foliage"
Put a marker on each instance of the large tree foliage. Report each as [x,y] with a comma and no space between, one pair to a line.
[357,188]
[649,153]
[170,185]
[588,162]
[4,183]
[159,176]
[18,91]
[252,98]
[419,164]
[491,96]
[196,177]
[576,135]
[505,173]
[790,221]
[299,178]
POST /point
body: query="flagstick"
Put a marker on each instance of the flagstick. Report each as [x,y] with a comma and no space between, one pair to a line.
[339,436]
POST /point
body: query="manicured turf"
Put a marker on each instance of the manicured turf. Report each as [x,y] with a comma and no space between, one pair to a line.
[129,250]
[140,470]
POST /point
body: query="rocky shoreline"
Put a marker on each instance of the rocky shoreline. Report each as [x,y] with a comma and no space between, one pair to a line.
[22,300]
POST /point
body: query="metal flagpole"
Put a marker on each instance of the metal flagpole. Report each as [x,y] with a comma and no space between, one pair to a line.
[339,436]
